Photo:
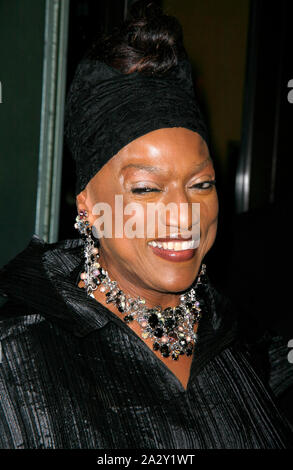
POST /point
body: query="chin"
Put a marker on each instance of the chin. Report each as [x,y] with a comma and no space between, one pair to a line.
[176,285]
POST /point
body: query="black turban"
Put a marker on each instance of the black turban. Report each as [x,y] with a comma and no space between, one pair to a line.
[107,110]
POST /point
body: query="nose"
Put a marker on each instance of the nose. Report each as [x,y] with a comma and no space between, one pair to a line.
[181,213]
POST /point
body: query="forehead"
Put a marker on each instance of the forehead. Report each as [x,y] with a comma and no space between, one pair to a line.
[165,148]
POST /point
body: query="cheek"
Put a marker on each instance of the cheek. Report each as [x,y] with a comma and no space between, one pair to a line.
[209,210]
[128,237]
[129,220]
[209,224]
[126,253]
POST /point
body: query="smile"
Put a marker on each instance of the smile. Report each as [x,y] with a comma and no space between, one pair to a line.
[174,246]
[176,251]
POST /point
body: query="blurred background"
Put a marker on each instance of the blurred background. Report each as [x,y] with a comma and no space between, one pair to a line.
[241,54]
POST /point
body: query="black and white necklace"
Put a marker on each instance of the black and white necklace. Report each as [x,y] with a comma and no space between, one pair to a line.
[172,329]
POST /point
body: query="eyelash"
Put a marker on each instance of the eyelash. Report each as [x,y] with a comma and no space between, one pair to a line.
[151,190]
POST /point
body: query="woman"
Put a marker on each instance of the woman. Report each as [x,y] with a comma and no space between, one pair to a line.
[113,341]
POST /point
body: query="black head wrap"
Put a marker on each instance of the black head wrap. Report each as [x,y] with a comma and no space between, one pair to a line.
[107,110]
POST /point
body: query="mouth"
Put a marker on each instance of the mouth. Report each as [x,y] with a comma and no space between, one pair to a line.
[175,250]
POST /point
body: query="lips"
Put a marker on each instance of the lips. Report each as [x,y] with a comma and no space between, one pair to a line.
[178,249]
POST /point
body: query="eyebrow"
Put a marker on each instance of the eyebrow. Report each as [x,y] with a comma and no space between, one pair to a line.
[155,169]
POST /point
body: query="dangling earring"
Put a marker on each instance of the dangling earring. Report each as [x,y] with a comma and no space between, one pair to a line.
[91,253]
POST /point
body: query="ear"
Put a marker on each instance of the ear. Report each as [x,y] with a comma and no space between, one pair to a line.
[83,203]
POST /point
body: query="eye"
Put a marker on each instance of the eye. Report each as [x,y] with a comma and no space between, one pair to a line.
[144,190]
[204,185]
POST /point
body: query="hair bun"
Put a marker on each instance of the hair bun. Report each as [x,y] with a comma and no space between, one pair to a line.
[145,9]
[148,41]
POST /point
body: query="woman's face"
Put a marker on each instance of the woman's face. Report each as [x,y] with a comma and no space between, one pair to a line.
[167,165]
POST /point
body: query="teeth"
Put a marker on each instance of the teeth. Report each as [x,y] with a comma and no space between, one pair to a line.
[184,245]
[174,246]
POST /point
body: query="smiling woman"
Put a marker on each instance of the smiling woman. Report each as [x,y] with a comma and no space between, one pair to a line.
[170,163]
[118,342]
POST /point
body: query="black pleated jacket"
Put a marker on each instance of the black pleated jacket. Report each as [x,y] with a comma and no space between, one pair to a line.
[74,375]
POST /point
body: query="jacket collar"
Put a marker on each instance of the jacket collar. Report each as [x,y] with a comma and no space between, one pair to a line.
[45,278]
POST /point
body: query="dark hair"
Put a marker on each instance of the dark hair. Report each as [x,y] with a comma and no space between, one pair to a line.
[149,41]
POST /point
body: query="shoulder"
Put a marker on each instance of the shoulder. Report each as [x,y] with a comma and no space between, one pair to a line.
[30,351]
[30,348]
[16,320]
[267,353]
[24,333]
[266,350]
